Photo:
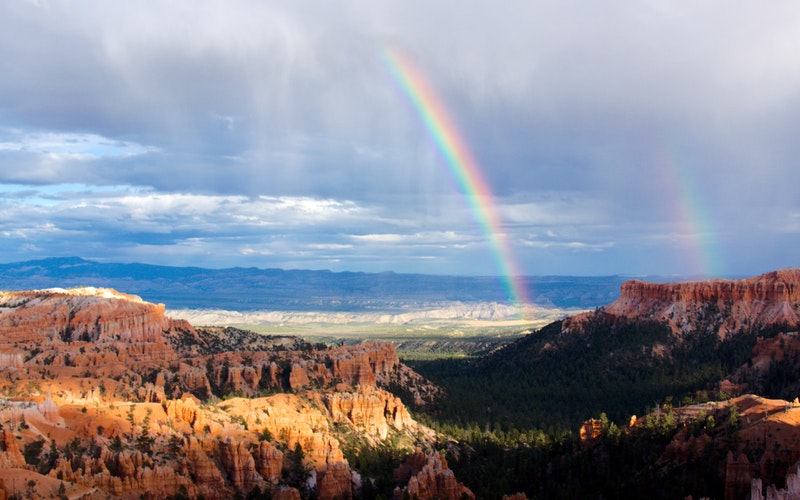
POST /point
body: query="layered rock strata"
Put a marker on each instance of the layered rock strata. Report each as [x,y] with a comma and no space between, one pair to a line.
[729,305]
[120,400]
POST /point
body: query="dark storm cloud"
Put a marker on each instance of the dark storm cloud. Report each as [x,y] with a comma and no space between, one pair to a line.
[617,137]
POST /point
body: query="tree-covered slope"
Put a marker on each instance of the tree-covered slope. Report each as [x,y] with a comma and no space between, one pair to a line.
[556,379]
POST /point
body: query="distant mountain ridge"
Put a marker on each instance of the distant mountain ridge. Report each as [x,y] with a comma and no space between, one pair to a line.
[252,289]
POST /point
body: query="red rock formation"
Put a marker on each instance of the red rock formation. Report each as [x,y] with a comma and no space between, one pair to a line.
[285,493]
[298,378]
[782,285]
[366,364]
[427,477]
[99,370]
[133,472]
[240,466]
[769,299]
[100,316]
[334,482]
[244,378]
[11,358]
[790,492]
[269,461]
[90,314]
[195,379]
[10,454]
[204,471]
[591,429]
[184,410]
[293,421]
[370,410]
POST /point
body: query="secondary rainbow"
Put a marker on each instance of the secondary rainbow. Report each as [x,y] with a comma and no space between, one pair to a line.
[462,165]
[690,212]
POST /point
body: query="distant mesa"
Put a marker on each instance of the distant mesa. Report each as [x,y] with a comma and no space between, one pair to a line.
[758,302]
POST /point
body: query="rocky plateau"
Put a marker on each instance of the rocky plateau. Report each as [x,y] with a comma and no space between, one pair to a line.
[772,299]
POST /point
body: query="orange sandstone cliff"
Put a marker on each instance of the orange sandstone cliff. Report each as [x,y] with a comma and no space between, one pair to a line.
[772,299]
[103,395]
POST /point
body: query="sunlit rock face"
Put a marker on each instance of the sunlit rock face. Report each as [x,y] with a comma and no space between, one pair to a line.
[427,476]
[728,305]
[126,402]
[121,328]
[88,314]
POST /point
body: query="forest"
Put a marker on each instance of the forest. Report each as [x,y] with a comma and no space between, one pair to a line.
[516,412]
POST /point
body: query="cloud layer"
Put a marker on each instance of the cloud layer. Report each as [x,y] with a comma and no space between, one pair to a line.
[625,137]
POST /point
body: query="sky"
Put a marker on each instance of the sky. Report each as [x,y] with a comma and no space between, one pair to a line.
[617,137]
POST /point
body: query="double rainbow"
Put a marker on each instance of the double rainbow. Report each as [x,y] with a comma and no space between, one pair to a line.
[462,165]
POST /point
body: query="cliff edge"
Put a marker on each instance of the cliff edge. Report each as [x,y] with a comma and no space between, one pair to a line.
[728,306]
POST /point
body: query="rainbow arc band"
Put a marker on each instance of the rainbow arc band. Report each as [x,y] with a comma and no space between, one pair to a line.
[462,165]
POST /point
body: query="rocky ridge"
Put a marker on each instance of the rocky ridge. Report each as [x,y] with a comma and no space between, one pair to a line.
[104,393]
[727,306]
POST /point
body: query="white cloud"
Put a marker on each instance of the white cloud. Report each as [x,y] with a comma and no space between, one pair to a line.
[437,238]
[571,245]
[69,145]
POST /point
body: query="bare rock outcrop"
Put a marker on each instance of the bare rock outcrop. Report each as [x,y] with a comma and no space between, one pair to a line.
[269,461]
[240,465]
[738,476]
[766,300]
[372,364]
[10,454]
[370,410]
[427,476]
[119,398]
[591,429]
[90,314]
[285,493]
[105,319]
[294,421]
[334,482]
[204,471]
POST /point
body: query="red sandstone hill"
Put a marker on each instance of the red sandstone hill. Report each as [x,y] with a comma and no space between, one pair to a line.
[729,305]
[103,395]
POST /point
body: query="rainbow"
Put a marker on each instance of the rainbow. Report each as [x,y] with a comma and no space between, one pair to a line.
[691,215]
[462,165]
